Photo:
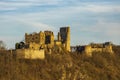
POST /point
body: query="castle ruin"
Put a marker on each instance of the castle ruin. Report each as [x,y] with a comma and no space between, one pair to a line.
[95,47]
[37,44]
[42,42]
[46,39]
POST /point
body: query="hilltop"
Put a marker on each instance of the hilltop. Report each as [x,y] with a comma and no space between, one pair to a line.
[62,66]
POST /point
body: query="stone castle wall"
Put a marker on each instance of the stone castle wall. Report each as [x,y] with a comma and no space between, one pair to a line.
[88,49]
[30,54]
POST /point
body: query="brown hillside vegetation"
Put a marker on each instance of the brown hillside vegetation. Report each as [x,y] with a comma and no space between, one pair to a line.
[62,66]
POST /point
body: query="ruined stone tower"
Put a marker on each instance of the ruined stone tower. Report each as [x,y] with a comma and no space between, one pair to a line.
[65,37]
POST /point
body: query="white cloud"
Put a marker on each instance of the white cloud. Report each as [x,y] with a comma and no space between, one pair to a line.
[25,3]
[79,7]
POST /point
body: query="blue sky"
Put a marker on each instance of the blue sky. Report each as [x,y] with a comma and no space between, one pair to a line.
[90,20]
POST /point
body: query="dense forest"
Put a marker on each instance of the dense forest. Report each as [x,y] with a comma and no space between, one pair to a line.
[62,66]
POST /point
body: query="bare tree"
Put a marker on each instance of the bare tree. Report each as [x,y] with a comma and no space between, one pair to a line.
[2,45]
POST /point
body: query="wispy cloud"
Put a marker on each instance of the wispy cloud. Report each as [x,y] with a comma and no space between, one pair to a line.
[19,4]
[76,7]
[30,23]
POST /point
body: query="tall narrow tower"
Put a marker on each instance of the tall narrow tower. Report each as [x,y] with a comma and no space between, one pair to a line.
[65,37]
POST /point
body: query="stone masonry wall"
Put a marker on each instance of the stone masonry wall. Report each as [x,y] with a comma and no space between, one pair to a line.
[30,54]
